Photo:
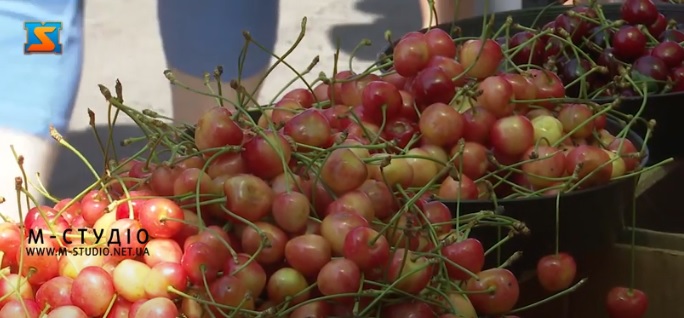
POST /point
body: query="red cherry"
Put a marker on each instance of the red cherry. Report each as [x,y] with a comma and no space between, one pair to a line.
[669,52]
[657,28]
[652,67]
[440,43]
[678,79]
[622,302]
[531,52]
[629,43]
[672,35]
[639,12]
[556,272]
[575,25]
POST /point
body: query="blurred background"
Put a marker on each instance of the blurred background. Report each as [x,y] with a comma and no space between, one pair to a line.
[122,41]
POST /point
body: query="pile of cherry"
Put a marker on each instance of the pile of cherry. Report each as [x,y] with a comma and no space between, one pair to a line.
[273,261]
[329,204]
[596,57]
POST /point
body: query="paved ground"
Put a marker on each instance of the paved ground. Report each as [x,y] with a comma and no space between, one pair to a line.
[122,41]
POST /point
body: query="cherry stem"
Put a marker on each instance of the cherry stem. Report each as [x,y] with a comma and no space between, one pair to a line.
[40,187]
[557,217]
[499,244]
[219,85]
[91,123]
[20,182]
[412,201]
[16,289]
[111,118]
[382,294]
[552,297]
[173,290]
[44,311]
[632,247]
[362,43]
[512,259]
[109,307]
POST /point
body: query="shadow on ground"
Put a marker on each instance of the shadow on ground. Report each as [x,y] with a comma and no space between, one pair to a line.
[398,16]
[70,175]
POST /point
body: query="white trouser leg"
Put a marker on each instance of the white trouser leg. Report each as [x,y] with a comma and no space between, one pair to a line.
[497,5]
[39,157]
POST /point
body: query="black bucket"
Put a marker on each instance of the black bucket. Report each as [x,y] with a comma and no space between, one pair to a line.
[666,109]
[590,220]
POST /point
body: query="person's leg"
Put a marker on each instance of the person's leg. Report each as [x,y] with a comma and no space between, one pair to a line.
[447,12]
[492,6]
[37,91]
[197,38]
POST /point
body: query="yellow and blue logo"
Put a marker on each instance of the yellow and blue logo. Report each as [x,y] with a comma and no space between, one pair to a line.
[43,37]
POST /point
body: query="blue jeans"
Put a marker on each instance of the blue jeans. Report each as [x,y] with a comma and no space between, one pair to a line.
[39,90]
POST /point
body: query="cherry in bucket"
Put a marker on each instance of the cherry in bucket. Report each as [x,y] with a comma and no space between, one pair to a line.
[629,43]
[670,52]
[639,12]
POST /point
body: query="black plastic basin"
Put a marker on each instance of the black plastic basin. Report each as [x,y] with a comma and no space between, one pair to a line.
[589,220]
